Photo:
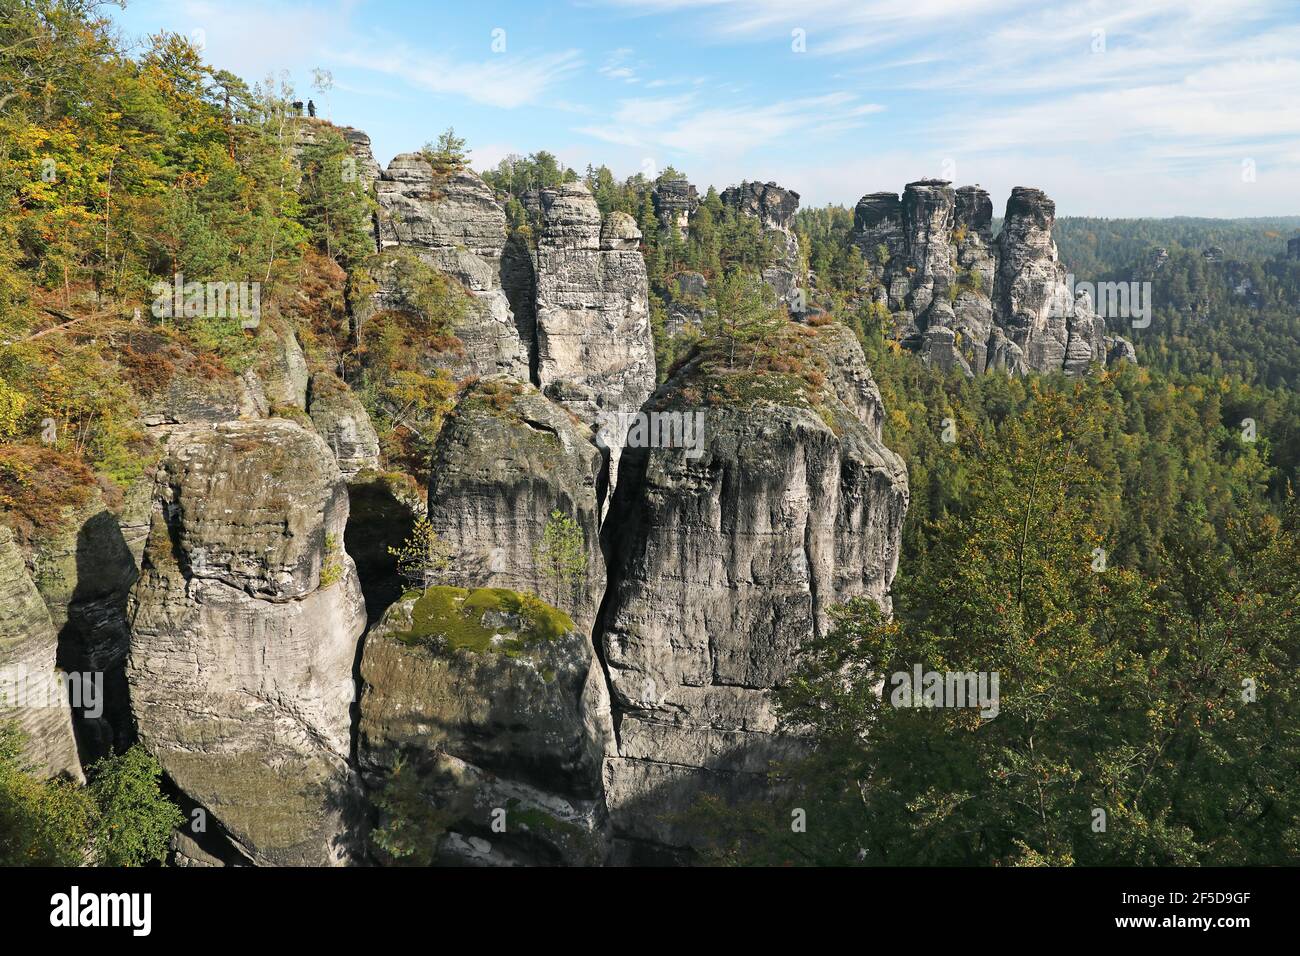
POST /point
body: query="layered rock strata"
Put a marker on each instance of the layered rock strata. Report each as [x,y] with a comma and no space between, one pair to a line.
[723,565]
[244,630]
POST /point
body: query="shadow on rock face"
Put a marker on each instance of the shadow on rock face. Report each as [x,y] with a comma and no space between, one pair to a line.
[378,520]
[96,637]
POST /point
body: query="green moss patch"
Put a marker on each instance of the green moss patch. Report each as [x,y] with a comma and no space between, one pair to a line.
[454,618]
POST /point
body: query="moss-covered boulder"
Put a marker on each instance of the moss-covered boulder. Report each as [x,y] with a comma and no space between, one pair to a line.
[496,705]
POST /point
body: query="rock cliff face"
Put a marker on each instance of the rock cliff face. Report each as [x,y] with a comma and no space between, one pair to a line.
[341,419]
[1040,313]
[363,167]
[505,461]
[595,352]
[497,710]
[244,633]
[723,565]
[878,230]
[965,300]
[675,201]
[84,571]
[526,717]
[774,207]
[32,692]
[1027,288]
[455,225]
[972,308]
[690,303]
[367,170]
[279,379]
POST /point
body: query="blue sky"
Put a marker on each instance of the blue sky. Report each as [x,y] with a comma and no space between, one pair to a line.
[1114,107]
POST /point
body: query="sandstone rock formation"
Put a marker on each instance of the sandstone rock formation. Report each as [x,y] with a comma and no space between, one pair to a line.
[972,307]
[771,205]
[281,372]
[595,353]
[965,300]
[367,170]
[84,569]
[774,208]
[309,130]
[1053,328]
[32,692]
[493,707]
[504,462]
[675,201]
[341,419]
[454,224]
[244,629]
[195,392]
[689,305]
[723,565]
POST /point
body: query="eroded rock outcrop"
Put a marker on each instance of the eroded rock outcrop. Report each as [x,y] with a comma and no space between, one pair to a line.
[965,300]
[244,629]
[595,352]
[85,567]
[279,377]
[32,692]
[689,305]
[1053,328]
[342,420]
[488,708]
[723,565]
[362,169]
[506,460]
[972,306]
[454,224]
[675,201]
[774,208]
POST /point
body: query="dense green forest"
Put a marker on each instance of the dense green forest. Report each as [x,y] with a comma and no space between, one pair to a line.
[1121,550]
[1090,246]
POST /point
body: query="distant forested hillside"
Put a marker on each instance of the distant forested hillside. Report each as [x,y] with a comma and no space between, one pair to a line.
[1099,247]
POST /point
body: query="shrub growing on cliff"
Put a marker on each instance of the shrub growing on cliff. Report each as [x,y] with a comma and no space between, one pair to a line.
[410,828]
[447,154]
[561,555]
[42,822]
[121,819]
[746,315]
[135,820]
[423,558]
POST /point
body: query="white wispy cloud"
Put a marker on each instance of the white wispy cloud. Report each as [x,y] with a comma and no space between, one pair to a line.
[506,80]
[831,26]
[692,124]
[1105,101]
[619,65]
